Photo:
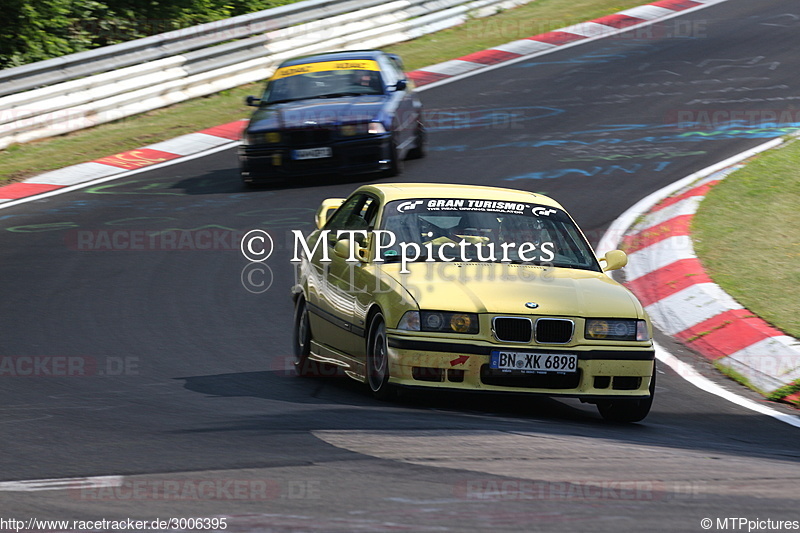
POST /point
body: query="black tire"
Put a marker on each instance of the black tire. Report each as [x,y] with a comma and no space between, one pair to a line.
[420,149]
[377,364]
[395,161]
[628,410]
[301,339]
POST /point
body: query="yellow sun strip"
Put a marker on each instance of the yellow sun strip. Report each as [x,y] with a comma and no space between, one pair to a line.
[357,64]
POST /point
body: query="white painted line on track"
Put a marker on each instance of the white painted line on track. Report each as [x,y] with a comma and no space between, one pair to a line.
[689,307]
[76,174]
[187,144]
[687,372]
[647,12]
[69,483]
[523,47]
[588,29]
[658,256]
[684,207]
[453,67]
[114,177]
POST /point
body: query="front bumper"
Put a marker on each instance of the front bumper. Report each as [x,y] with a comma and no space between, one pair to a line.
[602,373]
[264,163]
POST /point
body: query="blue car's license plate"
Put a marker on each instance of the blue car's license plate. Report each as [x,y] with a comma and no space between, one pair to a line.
[312,153]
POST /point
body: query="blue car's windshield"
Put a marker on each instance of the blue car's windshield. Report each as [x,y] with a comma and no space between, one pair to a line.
[324,84]
[483,230]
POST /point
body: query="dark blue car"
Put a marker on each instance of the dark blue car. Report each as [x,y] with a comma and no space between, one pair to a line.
[336,113]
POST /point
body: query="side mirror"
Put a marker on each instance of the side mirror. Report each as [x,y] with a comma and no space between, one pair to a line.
[327,208]
[401,85]
[343,247]
[252,101]
[614,260]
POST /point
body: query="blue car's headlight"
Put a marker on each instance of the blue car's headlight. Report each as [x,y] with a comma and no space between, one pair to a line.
[364,128]
[376,128]
[271,137]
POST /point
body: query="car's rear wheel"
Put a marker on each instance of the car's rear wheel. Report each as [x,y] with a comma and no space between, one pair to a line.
[302,339]
[378,359]
[420,149]
[628,410]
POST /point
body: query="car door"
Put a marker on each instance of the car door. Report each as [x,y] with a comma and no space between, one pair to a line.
[342,293]
[406,105]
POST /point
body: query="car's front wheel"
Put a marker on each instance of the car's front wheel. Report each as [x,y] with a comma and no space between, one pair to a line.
[628,410]
[302,339]
[420,149]
[378,359]
[396,162]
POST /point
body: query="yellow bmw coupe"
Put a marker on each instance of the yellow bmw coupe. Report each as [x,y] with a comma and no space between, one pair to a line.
[466,287]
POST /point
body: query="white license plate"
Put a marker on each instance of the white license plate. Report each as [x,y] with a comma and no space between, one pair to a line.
[313,153]
[533,362]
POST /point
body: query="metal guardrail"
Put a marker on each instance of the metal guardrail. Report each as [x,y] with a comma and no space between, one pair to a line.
[81,90]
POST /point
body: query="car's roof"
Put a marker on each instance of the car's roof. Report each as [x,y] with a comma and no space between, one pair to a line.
[333,56]
[398,191]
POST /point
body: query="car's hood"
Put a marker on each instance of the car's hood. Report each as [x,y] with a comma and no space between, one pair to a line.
[506,288]
[316,112]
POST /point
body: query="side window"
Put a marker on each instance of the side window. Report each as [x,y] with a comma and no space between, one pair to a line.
[357,213]
[389,71]
[397,64]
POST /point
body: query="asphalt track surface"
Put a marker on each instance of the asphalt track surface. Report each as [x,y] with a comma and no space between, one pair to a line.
[190,380]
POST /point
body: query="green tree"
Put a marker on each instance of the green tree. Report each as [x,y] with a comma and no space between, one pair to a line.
[34,30]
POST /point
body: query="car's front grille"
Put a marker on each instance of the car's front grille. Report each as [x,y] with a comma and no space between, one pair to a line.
[512,329]
[554,330]
[551,380]
[309,137]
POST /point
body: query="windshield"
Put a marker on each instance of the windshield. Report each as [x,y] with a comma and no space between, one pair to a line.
[314,81]
[482,230]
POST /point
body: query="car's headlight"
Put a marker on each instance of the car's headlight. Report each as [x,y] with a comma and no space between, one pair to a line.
[363,128]
[439,321]
[271,137]
[616,329]
[375,128]
[348,130]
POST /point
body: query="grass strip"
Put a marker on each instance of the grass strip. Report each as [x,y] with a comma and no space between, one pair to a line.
[747,235]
